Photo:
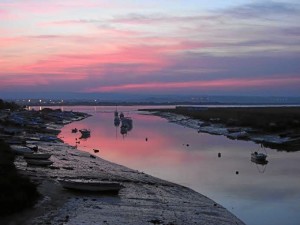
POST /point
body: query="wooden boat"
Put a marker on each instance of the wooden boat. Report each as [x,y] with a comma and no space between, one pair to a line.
[37,155]
[39,162]
[32,147]
[260,162]
[88,185]
[258,156]
[20,150]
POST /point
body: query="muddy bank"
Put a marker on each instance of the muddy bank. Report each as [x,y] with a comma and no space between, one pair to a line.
[143,200]
[274,127]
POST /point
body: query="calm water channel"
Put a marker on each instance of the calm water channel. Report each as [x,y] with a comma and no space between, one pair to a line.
[259,195]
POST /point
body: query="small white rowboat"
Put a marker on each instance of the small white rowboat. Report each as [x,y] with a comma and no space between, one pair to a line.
[95,186]
[37,155]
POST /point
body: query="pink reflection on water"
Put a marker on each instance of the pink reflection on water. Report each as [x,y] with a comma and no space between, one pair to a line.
[160,150]
[167,156]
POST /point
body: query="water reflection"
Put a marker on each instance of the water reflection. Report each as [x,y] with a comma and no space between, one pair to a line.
[126,123]
[85,133]
[261,166]
[182,155]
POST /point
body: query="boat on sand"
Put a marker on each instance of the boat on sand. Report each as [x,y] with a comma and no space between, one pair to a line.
[39,162]
[37,155]
[20,150]
[88,185]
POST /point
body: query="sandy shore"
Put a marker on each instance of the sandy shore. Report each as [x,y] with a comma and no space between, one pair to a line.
[144,200]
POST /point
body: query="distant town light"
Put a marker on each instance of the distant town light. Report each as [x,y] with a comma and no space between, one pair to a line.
[40,100]
[28,100]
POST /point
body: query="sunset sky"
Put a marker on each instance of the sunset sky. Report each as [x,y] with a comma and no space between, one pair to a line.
[152,47]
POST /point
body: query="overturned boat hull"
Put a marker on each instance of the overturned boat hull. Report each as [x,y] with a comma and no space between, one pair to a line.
[93,186]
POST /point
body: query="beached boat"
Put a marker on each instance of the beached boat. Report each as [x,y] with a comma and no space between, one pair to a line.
[48,138]
[88,185]
[20,150]
[32,147]
[39,162]
[37,155]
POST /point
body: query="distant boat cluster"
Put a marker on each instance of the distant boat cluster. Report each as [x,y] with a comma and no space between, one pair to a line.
[126,122]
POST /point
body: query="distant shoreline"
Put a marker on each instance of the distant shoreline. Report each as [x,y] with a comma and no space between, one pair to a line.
[146,103]
[274,127]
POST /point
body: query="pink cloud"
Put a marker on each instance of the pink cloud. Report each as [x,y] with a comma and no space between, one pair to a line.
[144,57]
[153,19]
[41,7]
[201,85]
[10,41]
[140,56]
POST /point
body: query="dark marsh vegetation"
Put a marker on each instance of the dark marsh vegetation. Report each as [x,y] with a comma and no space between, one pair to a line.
[270,119]
[16,191]
[279,121]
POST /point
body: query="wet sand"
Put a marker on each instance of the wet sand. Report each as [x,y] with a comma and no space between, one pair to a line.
[144,200]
